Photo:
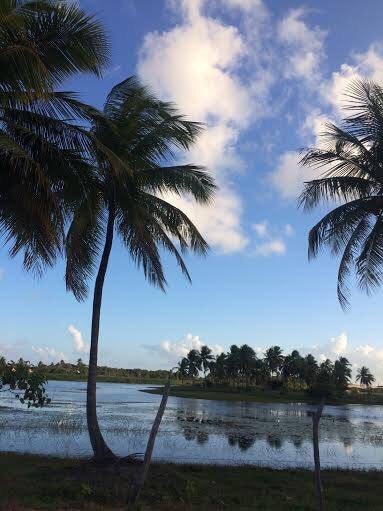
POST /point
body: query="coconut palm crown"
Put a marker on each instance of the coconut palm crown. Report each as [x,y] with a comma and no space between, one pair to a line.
[42,151]
[351,160]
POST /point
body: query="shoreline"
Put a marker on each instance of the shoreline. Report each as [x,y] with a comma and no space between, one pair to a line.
[49,483]
[265,396]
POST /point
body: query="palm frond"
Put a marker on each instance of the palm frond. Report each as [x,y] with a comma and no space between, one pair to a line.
[370,261]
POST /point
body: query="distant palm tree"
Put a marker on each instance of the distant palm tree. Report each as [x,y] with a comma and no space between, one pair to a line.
[206,357]
[352,161]
[364,377]
[141,133]
[342,373]
[183,369]
[274,359]
[194,361]
[43,165]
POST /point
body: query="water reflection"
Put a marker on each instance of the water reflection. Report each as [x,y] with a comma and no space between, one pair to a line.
[195,430]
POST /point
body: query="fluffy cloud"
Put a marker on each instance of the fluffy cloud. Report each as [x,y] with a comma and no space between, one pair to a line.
[46,354]
[79,345]
[329,105]
[272,247]
[271,240]
[197,65]
[174,350]
[304,45]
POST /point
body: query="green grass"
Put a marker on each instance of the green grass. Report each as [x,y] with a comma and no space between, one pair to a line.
[266,395]
[34,483]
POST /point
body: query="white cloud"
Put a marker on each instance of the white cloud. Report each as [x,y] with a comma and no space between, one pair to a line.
[304,45]
[289,230]
[196,64]
[79,345]
[174,350]
[365,349]
[46,354]
[261,229]
[272,238]
[272,247]
[338,345]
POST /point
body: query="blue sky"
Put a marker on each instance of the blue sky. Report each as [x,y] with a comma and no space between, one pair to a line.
[263,76]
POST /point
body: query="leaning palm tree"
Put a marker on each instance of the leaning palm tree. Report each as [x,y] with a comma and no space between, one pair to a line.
[42,43]
[365,377]
[352,161]
[143,133]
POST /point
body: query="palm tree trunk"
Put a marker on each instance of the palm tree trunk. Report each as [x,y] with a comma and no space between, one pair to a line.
[318,482]
[139,482]
[100,448]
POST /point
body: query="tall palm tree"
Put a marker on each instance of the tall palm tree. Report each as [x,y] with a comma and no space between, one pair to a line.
[365,377]
[352,163]
[274,359]
[206,358]
[183,369]
[142,133]
[194,361]
[43,170]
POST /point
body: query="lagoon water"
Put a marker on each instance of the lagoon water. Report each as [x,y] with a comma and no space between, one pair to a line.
[194,430]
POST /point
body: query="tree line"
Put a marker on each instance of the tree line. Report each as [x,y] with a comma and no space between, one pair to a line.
[241,366]
[80,368]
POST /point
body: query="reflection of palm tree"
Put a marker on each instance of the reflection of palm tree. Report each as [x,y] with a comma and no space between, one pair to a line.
[297,441]
[189,434]
[202,437]
[275,442]
[244,442]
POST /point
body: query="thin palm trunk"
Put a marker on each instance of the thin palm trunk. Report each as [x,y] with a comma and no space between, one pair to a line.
[139,482]
[318,481]
[100,448]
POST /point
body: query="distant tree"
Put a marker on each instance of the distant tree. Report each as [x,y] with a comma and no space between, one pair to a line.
[183,369]
[218,367]
[194,363]
[274,359]
[365,377]
[206,357]
[351,159]
[246,359]
[310,369]
[342,373]
[260,371]
[293,366]
[233,362]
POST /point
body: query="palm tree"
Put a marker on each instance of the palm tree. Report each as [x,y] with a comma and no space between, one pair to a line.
[183,369]
[194,363]
[352,159]
[342,373]
[274,358]
[365,377]
[141,133]
[247,359]
[206,357]
[43,170]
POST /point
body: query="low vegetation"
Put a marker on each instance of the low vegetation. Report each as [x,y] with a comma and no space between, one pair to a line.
[32,482]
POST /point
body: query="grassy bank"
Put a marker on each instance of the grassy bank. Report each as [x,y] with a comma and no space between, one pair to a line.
[267,395]
[32,482]
[104,378]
